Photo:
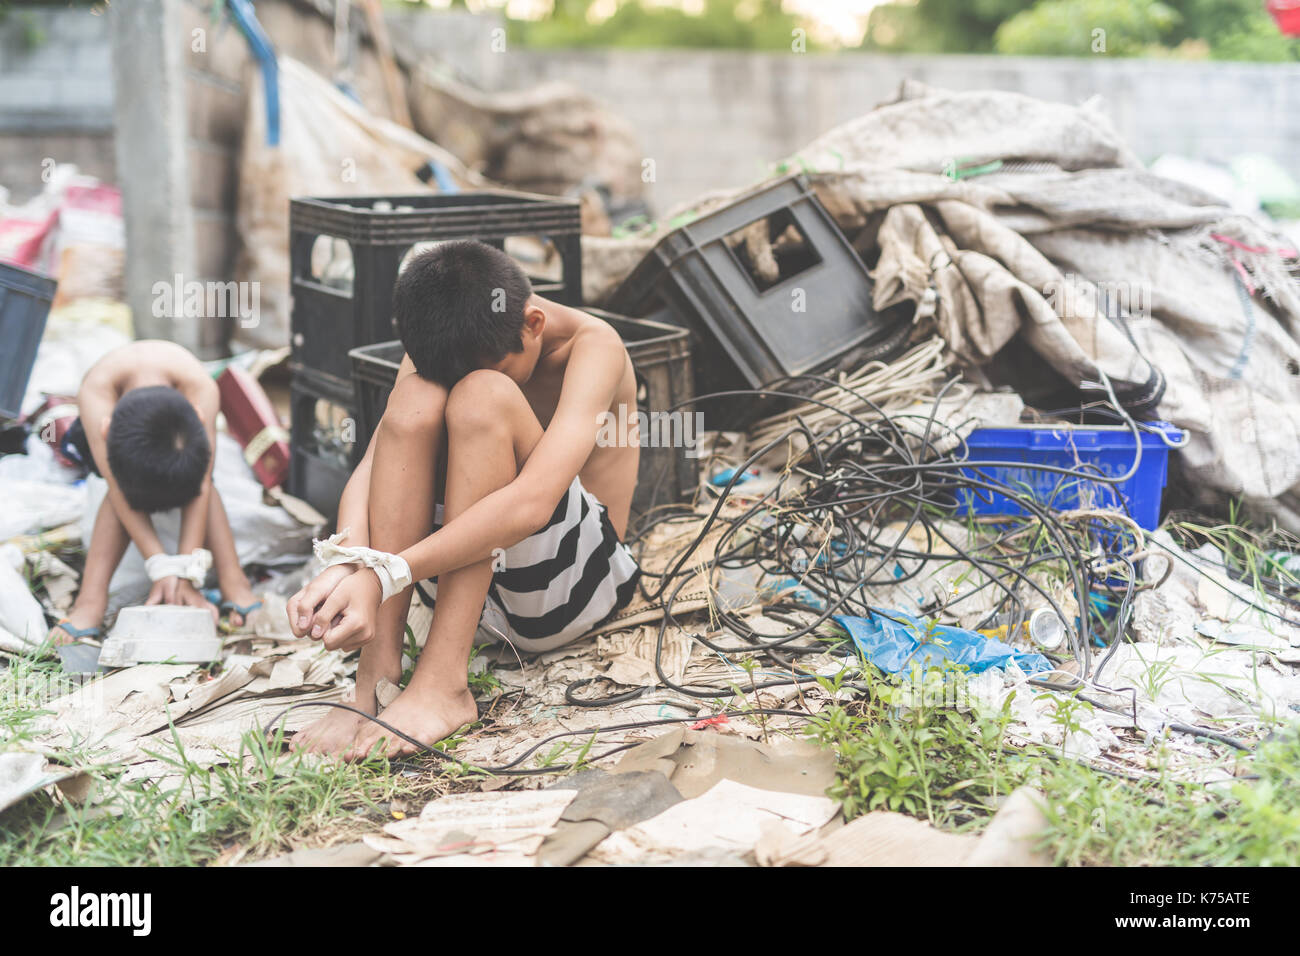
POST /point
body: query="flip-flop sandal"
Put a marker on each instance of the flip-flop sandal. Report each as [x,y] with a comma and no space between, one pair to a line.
[78,633]
[230,607]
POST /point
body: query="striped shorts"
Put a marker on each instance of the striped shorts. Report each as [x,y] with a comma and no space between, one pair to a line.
[558,583]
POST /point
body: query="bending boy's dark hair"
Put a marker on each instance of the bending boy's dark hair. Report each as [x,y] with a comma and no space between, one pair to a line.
[458,306]
[157,449]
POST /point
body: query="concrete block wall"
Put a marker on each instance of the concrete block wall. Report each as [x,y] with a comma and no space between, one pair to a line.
[55,102]
[209,68]
[214,63]
[715,119]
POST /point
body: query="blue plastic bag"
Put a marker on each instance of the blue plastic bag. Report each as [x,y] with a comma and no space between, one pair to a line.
[894,642]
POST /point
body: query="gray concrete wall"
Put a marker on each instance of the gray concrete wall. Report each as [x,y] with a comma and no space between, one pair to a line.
[181,178]
[55,98]
[715,119]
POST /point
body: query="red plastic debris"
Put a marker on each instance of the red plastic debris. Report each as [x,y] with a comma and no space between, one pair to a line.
[709,722]
[1287,15]
[251,418]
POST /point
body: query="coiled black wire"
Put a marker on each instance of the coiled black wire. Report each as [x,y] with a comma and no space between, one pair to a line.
[856,477]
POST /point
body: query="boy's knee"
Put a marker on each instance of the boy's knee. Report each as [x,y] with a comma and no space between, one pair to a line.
[416,409]
[481,399]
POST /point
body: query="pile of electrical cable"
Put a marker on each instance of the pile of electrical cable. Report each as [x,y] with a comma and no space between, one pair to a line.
[867,516]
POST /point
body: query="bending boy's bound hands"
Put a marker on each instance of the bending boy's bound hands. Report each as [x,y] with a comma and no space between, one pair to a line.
[176,590]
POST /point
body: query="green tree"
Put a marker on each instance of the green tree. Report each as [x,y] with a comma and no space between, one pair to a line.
[1080,27]
[731,24]
[1223,29]
[1236,30]
[939,26]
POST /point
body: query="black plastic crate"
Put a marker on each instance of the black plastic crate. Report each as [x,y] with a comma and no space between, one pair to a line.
[661,360]
[331,317]
[814,316]
[326,444]
[25,298]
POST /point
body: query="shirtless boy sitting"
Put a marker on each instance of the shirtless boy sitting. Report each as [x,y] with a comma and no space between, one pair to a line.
[496,412]
[147,424]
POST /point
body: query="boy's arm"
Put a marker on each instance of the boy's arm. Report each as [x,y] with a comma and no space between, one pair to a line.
[354,517]
[354,503]
[206,399]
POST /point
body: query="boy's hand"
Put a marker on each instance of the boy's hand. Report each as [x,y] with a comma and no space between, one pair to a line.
[178,591]
[346,620]
[163,591]
[303,605]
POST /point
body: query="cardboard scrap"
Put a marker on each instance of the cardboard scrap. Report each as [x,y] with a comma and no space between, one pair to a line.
[618,801]
[883,838]
[729,817]
[59,579]
[778,845]
[127,716]
[1013,836]
[695,760]
[110,710]
[271,620]
[346,854]
[630,655]
[505,828]
[605,802]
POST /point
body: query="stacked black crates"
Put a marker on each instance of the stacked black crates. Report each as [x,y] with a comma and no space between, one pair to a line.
[333,315]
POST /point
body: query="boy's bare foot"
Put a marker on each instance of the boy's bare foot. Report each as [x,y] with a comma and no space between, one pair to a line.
[426,716]
[331,734]
[79,617]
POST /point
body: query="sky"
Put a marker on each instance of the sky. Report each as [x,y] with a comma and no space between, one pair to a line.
[844,20]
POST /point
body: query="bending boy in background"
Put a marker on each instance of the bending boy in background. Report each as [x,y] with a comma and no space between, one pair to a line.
[147,425]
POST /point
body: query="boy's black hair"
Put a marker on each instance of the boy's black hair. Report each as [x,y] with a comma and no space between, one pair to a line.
[459,306]
[157,449]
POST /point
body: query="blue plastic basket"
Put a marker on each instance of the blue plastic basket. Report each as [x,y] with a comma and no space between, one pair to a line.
[1108,448]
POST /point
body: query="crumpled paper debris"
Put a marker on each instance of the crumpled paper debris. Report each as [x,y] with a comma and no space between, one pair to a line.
[503,828]
[730,816]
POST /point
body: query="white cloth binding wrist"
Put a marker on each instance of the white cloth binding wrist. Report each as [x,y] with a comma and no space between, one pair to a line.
[392,570]
[193,567]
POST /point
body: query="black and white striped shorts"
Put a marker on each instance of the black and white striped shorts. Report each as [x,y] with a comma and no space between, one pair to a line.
[558,583]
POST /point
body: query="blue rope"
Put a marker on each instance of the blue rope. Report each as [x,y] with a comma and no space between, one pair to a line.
[264,53]
[1248,308]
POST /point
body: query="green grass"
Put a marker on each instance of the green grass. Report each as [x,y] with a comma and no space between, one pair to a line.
[261,800]
[950,766]
[482,682]
[265,800]
[929,760]
[26,681]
